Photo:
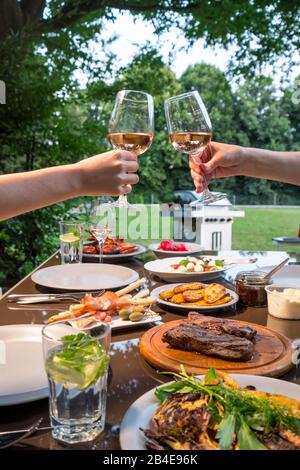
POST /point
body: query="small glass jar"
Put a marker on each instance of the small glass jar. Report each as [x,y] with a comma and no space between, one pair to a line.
[251,288]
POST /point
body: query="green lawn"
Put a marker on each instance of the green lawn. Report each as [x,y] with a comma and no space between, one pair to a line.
[260,225]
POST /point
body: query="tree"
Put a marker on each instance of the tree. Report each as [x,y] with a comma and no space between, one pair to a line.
[261,30]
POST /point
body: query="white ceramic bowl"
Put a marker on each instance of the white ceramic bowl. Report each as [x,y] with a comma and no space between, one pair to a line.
[159,267]
[193,249]
[280,305]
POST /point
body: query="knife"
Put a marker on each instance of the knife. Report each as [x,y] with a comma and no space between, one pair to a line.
[45,298]
[3,434]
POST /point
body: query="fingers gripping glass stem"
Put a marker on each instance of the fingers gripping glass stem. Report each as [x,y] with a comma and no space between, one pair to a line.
[206,197]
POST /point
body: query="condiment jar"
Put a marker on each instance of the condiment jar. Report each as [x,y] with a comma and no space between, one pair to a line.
[251,288]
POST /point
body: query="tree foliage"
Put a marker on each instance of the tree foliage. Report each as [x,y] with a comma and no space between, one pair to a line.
[49,120]
[261,30]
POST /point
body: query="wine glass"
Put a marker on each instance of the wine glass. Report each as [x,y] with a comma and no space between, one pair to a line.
[131,126]
[101,223]
[190,132]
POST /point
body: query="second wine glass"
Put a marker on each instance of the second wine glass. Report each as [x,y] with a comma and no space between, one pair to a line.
[131,126]
[190,132]
[101,223]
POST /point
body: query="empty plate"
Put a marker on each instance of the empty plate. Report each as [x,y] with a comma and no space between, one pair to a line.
[22,372]
[88,276]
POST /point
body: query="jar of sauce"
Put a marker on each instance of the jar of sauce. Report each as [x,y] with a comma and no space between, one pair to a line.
[251,288]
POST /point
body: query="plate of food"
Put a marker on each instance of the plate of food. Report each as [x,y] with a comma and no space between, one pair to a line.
[196,296]
[215,412]
[199,342]
[188,268]
[87,276]
[121,309]
[114,249]
[169,248]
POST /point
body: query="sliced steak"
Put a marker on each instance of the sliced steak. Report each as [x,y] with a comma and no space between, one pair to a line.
[231,327]
[191,337]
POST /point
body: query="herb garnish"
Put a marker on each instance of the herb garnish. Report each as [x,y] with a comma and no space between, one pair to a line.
[241,413]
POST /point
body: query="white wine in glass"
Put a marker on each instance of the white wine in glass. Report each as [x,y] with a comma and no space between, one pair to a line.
[190,142]
[190,132]
[131,126]
[137,142]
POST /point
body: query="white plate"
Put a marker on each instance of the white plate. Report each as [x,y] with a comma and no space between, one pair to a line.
[22,372]
[141,411]
[158,290]
[160,267]
[118,324]
[193,249]
[88,276]
[139,251]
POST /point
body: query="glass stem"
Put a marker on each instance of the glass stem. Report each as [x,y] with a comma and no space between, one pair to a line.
[101,243]
[122,201]
[206,190]
[197,159]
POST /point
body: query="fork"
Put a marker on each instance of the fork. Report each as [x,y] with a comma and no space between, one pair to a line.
[44,298]
[31,430]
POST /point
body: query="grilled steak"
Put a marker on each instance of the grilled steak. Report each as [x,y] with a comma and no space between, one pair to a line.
[220,325]
[191,337]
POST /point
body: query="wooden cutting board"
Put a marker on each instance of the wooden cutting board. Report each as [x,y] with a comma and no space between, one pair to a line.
[272,354]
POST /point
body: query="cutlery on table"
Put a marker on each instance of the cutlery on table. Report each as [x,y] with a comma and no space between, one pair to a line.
[24,434]
[45,298]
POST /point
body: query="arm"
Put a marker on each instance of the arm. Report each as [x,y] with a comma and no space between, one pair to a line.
[222,160]
[104,174]
[272,165]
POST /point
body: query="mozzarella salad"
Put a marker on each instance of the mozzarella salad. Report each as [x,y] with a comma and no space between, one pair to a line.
[196,265]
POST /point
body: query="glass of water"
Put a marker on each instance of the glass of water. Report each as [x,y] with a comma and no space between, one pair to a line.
[76,363]
[71,242]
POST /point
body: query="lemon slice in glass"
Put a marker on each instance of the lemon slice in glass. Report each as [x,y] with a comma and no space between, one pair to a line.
[69,238]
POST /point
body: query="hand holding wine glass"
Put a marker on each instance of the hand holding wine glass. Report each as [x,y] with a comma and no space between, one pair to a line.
[218,161]
[190,132]
[131,126]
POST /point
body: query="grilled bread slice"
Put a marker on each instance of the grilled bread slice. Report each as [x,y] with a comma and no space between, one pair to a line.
[189,286]
[167,294]
[193,295]
[177,299]
[213,293]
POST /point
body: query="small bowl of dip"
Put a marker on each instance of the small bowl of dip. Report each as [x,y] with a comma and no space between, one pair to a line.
[284,302]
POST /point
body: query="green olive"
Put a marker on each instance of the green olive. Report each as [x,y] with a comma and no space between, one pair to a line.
[124,314]
[136,316]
